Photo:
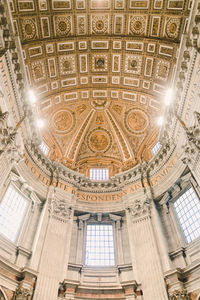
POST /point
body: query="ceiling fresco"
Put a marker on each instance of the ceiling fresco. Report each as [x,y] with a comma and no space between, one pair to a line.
[100,70]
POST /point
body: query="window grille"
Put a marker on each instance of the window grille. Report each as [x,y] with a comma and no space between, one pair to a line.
[99,245]
[155,148]
[44,148]
[12,210]
[99,174]
[187,208]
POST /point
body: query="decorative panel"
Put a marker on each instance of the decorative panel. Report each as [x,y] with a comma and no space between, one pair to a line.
[116,62]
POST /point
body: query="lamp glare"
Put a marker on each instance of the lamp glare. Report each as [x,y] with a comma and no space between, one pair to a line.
[32,97]
[160,121]
[168,97]
[40,123]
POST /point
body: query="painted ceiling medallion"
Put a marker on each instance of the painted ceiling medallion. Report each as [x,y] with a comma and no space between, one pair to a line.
[136,120]
[99,140]
[63,121]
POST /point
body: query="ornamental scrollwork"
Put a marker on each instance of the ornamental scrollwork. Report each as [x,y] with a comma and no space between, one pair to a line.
[140,208]
[21,294]
[8,136]
[61,209]
[179,295]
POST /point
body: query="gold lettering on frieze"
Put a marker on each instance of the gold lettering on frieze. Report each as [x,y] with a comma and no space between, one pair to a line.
[155,180]
[88,197]
[104,197]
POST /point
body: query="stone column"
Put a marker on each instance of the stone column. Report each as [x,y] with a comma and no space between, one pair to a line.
[52,246]
[147,258]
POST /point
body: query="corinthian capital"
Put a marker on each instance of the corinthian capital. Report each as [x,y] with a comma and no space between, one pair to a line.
[139,208]
[179,295]
[61,209]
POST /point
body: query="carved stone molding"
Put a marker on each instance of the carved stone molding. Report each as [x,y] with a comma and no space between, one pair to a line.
[83,183]
[140,208]
[21,294]
[179,295]
[61,209]
[8,136]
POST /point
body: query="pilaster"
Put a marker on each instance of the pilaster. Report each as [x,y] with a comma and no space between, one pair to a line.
[54,243]
[147,258]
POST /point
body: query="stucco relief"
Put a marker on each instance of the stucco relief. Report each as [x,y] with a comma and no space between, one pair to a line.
[138,24]
[29,29]
[100,24]
[63,121]
[62,25]
[136,120]
[179,295]
[99,140]
[61,209]
[139,208]
[172,27]
[21,294]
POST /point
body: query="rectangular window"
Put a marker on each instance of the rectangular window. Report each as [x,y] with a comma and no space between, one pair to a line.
[12,210]
[188,211]
[99,245]
[155,148]
[99,174]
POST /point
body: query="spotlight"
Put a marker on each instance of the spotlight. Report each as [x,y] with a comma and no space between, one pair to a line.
[40,123]
[32,97]
[160,121]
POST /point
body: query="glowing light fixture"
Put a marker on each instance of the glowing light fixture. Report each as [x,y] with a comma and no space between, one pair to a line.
[160,121]
[32,97]
[168,97]
[40,123]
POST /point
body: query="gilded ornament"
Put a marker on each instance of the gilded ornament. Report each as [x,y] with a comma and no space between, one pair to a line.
[99,140]
[136,120]
[63,25]
[29,29]
[62,121]
[172,27]
[99,24]
[179,295]
[137,25]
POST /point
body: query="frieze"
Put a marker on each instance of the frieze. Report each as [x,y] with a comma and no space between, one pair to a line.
[74,183]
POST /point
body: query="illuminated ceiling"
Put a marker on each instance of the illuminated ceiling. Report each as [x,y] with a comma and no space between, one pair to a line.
[100,69]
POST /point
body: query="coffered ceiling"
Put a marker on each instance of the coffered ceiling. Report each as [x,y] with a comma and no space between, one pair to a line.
[100,69]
